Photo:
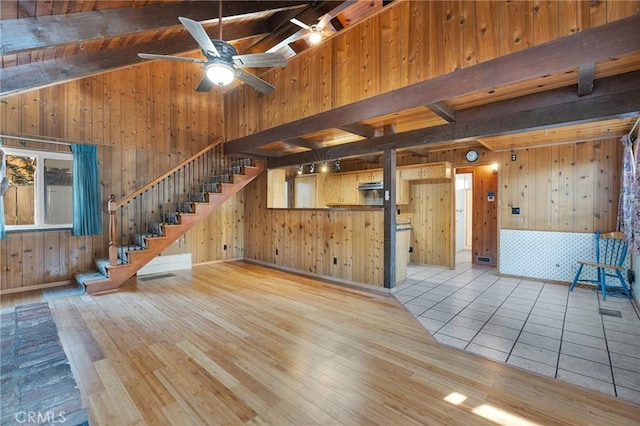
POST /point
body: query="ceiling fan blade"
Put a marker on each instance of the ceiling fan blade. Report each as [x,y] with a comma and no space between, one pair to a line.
[197,31]
[300,24]
[260,60]
[324,21]
[205,84]
[169,57]
[257,83]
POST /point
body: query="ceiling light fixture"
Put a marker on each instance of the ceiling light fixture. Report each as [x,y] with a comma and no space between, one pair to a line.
[324,168]
[300,169]
[219,73]
[312,168]
[336,165]
[315,36]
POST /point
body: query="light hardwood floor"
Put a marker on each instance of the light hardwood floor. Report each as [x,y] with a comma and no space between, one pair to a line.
[237,343]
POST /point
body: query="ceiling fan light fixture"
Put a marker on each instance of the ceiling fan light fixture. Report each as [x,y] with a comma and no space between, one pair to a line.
[315,36]
[219,73]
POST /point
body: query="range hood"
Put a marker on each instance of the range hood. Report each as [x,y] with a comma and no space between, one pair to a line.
[369,186]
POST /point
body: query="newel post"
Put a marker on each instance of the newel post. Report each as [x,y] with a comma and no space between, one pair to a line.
[113,243]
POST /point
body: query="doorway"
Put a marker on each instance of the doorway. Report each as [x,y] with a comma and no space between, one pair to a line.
[463,217]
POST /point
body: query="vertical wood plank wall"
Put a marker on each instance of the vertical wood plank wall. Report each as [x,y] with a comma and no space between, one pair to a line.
[309,240]
[383,53]
[144,119]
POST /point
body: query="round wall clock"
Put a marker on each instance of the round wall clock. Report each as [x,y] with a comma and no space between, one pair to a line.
[471,156]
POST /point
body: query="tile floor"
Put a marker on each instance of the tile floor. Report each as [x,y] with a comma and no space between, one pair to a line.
[532,325]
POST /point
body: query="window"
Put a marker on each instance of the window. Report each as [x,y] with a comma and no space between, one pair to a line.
[40,189]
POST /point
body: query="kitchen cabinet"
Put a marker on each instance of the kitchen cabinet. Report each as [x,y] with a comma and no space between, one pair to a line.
[341,188]
[276,188]
[308,192]
[431,171]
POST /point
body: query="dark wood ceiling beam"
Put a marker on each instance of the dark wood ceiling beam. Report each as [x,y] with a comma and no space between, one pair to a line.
[41,74]
[284,30]
[21,35]
[443,110]
[477,123]
[305,143]
[615,39]
[360,129]
[585,79]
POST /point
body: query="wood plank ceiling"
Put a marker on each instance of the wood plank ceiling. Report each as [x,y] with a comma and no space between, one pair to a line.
[49,42]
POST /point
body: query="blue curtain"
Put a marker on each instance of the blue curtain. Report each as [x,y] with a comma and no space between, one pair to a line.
[87,201]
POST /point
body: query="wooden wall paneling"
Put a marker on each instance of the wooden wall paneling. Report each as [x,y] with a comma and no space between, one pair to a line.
[516,26]
[181,118]
[343,78]
[565,171]
[468,28]
[32,259]
[142,103]
[583,187]
[278,239]
[372,57]
[446,19]
[360,253]
[391,73]
[128,101]
[415,38]
[159,96]
[546,20]
[14,262]
[324,259]
[487,30]
[540,194]
[592,14]
[31,122]
[568,18]
[117,108]
[324,99]
[51,257]
[617,10]
[308,233]
[606,185]
[96,108]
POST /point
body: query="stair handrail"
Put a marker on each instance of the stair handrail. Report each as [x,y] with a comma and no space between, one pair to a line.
[166,174]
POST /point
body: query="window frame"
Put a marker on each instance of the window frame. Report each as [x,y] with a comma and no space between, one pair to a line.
[40,196]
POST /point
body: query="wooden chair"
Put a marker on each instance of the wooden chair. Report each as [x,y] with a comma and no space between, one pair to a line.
[611,251]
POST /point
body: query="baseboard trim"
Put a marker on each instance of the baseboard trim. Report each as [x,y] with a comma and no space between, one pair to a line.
[35,287]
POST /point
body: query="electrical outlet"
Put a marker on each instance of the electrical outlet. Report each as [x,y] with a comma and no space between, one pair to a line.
[515,210]
[276,252]
[513,157]
[335,260]
[410,249]
[224,247]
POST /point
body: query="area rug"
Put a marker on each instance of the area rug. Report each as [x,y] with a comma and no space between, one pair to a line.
[37,384]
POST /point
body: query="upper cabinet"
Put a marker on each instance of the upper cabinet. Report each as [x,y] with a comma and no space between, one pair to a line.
[341,189]
[431,171]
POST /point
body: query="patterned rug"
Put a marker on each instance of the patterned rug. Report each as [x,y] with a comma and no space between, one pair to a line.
[37,384]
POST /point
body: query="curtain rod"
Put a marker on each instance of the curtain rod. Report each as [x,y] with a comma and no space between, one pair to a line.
[29,139]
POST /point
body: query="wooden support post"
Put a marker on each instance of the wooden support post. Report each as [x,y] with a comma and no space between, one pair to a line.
[113,239]
[389,174]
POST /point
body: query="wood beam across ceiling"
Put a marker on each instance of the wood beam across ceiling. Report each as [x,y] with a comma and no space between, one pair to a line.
[614,97]
[615,39]
[46,73]
[22,35]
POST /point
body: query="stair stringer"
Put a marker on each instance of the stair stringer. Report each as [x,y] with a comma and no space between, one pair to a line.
[118,274]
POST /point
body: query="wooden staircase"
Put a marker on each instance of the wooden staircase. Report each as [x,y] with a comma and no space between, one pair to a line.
[148,221]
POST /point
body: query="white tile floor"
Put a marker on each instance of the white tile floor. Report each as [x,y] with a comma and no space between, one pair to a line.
[532,325]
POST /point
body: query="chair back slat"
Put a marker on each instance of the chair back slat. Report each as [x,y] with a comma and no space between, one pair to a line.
[611,248]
